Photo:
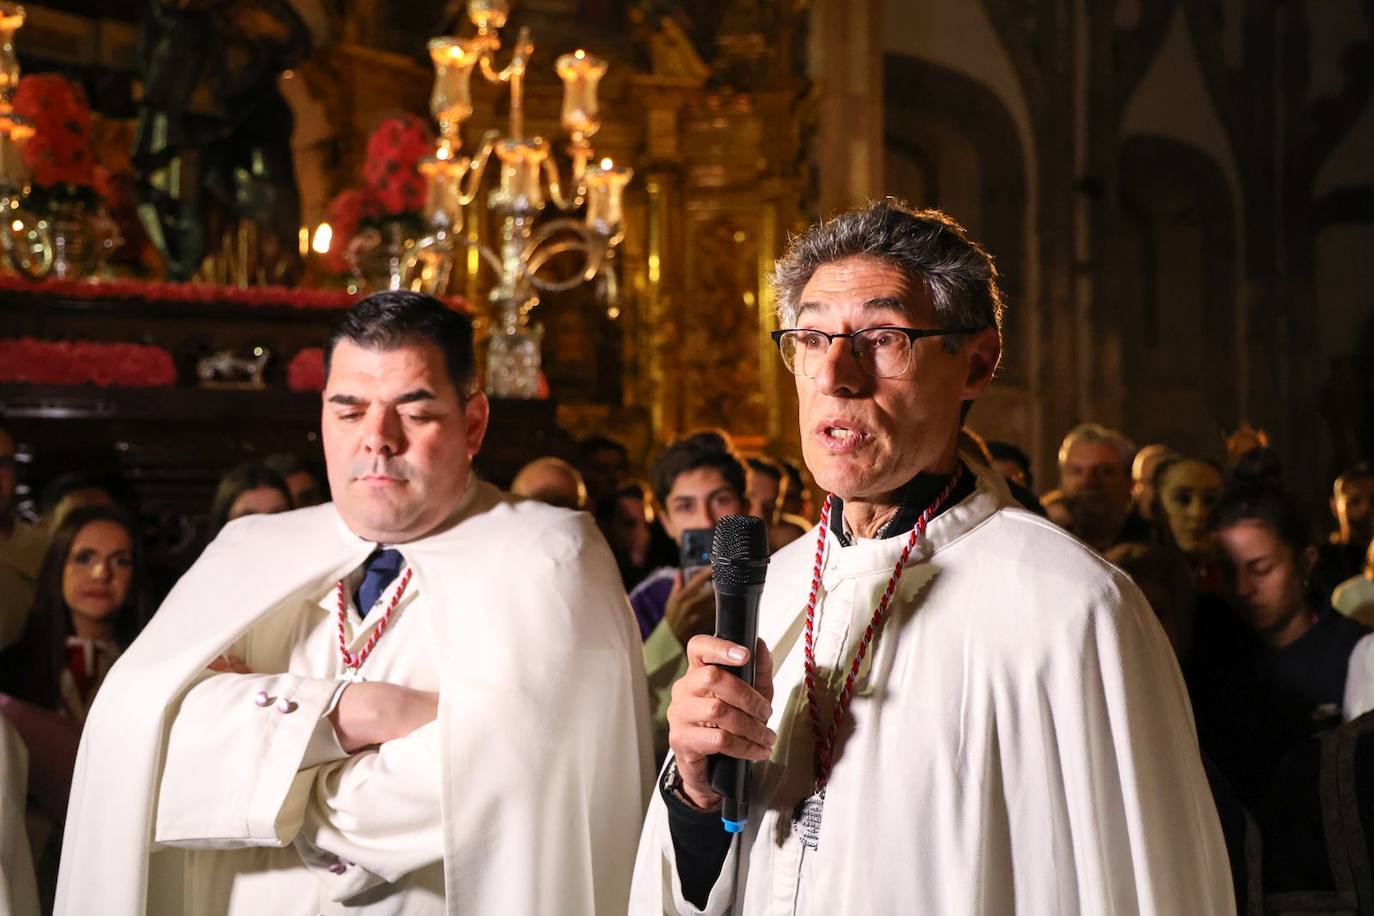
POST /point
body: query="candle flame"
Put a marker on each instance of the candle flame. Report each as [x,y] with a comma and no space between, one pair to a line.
[324,237]
[579,54]
[607,164]
[17,226]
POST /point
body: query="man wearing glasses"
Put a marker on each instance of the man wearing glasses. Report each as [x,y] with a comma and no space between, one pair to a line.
[964,710]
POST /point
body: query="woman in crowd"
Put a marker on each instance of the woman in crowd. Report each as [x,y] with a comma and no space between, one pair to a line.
[1186,491]
[1262,697]
[87,609]
[251,488]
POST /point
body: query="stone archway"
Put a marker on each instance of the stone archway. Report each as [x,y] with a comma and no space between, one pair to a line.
[951,142]
[1170,280]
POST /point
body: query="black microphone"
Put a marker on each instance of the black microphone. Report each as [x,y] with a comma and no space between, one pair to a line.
[739,563]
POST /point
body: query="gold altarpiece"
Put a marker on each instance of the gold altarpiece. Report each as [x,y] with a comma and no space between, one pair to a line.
[717,141]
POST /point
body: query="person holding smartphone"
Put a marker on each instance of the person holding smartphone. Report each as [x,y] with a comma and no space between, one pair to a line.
[697,480]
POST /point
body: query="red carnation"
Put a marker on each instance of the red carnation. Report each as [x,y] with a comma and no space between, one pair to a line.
[305,372]
[394,152]
[60,152]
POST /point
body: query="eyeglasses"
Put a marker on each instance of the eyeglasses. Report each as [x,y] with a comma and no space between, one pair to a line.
[881,352]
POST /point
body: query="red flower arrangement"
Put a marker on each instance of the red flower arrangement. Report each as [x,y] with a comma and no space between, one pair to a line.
[85,362]
[191,293]
[392,171]
[60,156]
[393,187]
[305,372]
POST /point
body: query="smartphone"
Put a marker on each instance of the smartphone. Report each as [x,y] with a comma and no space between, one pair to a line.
[696,549]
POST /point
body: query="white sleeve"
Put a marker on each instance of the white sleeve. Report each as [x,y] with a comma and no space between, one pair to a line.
[1359,680]
[376,816]
[237,766]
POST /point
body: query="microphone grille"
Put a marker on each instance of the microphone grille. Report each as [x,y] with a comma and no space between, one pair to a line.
[739,550]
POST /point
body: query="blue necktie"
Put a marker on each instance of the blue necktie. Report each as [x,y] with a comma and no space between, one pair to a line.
[379,571]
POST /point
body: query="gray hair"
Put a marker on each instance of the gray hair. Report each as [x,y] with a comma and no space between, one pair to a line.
[927,245]
[1096,432]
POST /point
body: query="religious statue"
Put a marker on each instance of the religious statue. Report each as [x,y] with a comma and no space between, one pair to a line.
[213,146]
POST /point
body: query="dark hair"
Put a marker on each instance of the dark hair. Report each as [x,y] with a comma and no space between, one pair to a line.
[288,463]
[1258,468]
[765,465]
[251,475]
[57,488]
[794,475]
[1362,470]
[608,505]
[596,443]
[1265,506]
[1005,451]
[32,668]
[928,246]
[390,319]
[704,449]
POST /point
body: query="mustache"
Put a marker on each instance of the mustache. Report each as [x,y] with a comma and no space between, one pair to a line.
[397,468]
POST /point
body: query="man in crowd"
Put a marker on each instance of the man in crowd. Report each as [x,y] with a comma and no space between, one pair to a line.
[427,697]
[21,550]
[1094,476]
[797,504]
[1143,468]
[765,489]
[1012,463]
[604,464]
[958,723]
[1352,505]
[553,481]
[767,492]
[697,481]
[300,478]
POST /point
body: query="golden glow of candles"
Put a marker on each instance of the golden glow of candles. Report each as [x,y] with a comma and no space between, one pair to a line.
[453,59]
[488,15]
[605,188]
[11,19]
[521,161]
[324,237]
[17,225]
[304,240]
[581,73]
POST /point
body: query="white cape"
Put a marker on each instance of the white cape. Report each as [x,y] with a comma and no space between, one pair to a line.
[1020,741]
[543,704]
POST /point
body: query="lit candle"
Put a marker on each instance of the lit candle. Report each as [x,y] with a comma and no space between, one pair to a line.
[605,188]
[580,72]
[11,19]
[520,164]
[451,101]
[324,237]
[14,133]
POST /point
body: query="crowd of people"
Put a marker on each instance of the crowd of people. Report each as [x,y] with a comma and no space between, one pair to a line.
[1269,615]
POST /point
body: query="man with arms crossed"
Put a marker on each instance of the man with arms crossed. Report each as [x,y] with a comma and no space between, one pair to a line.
[427,697]
[1014,735]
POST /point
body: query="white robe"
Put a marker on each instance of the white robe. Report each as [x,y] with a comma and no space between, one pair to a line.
[542,723]
[18,885]
[1359,680]
[1019,741]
